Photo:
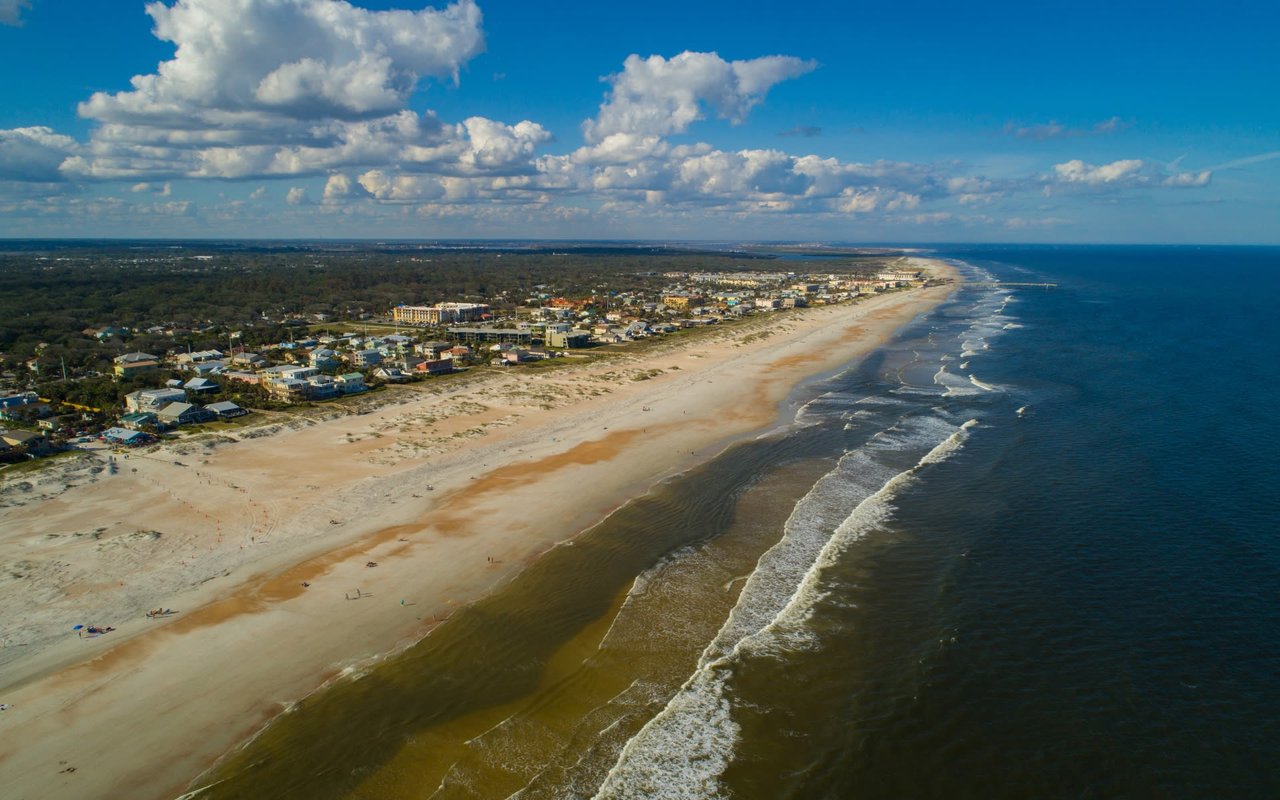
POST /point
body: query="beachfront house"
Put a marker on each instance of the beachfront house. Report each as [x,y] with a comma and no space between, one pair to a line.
[200,385]
[287,389]
[439,366]
[183,414]
[153,399]
[567,338]
[124,437]
[226,410]
[26,441]
[350,383]
[390,374]
[137,420]
[321,387]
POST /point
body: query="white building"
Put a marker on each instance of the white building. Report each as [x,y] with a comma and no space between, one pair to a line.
[153,399]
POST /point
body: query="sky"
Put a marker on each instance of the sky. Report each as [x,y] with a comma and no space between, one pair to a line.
[1079,122]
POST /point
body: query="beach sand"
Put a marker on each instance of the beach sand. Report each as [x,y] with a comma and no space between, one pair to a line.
[294,558]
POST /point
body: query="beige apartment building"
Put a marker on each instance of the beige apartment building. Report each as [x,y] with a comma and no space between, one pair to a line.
[439,314]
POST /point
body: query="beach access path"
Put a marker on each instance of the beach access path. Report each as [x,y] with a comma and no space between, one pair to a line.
[297,557]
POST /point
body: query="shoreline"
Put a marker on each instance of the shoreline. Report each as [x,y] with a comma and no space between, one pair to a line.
[328,499]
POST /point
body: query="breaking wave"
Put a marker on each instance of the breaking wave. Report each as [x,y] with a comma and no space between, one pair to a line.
[684,749]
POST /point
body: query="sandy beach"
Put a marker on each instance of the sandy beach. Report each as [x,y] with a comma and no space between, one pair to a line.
[294,553]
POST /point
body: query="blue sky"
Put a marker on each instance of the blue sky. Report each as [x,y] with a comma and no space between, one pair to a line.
[853,121]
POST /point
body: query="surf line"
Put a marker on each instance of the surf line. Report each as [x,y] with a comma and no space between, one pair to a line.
[699,715]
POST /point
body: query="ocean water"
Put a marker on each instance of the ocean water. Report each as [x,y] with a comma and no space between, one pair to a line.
[1028,549]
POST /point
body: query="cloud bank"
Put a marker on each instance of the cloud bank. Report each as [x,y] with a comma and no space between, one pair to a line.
[321,89]
[1124,173]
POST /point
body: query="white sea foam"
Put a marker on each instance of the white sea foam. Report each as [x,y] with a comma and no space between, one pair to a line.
[865,517]
[947,447]
[887,402]
[955,385]
[816,410]
[682,751]
[914,391]
[989,322]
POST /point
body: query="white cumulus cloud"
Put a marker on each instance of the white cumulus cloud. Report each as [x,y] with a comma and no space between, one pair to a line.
[261,88]
[339,187]
[769,181]
[1124,173]
[484,145]
[401,188]
[656,96]
[1188,180]
[242,60]
[1077,171]
[34,154]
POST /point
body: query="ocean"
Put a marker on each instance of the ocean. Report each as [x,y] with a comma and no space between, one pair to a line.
[1028,549]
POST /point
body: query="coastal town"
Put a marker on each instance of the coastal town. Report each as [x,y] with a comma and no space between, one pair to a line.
[162,393]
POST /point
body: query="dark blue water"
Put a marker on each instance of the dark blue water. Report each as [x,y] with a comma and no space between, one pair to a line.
[1082,600]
